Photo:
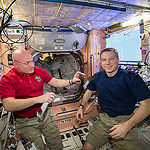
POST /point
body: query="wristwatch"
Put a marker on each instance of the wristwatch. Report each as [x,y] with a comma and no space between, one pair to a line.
[81,105]
[71,82]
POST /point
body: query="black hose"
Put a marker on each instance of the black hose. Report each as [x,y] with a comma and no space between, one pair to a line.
[81,138]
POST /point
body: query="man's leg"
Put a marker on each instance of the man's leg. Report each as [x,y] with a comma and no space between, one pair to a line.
[3,123]
[51,132]
[130,142]
[98,134]
[29,130]
[144,135]
[87,146]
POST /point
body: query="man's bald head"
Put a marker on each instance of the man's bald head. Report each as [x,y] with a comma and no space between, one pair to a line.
[23,61]
[20,54]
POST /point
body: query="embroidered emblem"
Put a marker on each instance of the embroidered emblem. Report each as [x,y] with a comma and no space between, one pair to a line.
[38,78]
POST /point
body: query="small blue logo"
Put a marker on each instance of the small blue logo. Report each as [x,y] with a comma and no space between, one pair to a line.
[38,78]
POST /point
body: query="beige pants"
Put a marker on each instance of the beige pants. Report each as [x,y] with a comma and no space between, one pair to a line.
[3,127]
[98,134]
[144,134]
[32,129]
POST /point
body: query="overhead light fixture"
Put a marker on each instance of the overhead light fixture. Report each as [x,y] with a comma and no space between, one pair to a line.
[78,28]
[54,29]
[134,21]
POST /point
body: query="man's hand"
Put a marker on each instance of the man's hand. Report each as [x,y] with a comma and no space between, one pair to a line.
[47,97]
[119,131]
[77,77]
[79,114]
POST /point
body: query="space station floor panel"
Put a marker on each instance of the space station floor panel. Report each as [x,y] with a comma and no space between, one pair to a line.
[73,133]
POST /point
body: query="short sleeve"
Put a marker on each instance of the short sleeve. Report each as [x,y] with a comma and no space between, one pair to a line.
[139,88]
[6,88]
[47,77]
[92,84]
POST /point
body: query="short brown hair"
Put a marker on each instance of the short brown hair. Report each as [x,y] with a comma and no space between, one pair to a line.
[109,50]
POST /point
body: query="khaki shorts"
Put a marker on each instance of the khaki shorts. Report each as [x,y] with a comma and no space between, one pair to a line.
[98,134]
[32,129]
[3,127]
[144,135]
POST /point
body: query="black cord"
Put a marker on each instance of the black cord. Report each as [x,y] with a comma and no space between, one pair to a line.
[4,53]
[81,138]
[10,5]
[146,58]
[12,42]
[3,25]
[5,65]
[23,34]
[147,31]
[6,23]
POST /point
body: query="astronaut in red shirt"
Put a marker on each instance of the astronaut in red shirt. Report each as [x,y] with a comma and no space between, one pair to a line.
[21,91]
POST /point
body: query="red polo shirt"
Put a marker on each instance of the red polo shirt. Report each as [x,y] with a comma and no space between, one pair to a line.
[21,86]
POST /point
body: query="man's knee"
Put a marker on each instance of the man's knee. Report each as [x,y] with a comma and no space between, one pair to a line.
[87,146]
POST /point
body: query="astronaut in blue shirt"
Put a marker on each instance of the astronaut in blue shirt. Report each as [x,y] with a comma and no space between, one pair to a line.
[118,92]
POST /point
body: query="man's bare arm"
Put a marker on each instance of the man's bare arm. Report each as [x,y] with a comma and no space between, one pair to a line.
[58,82]
[63,82]
[120,130]
[12,104]
[141,113]
[86,97]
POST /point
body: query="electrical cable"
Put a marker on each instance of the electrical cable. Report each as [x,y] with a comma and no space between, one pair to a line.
[4,53]
[10,49]
[21,37]
[31,28]
[5,65]
[7,24]
[10,5]
[12,42]
[81,138]
[147,59]
[147,31]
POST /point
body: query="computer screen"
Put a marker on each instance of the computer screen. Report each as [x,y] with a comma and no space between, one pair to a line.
[127,43]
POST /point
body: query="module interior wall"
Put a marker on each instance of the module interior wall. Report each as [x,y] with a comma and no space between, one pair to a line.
[91,52]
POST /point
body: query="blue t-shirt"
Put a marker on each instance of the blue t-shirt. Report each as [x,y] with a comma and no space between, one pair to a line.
[118,95]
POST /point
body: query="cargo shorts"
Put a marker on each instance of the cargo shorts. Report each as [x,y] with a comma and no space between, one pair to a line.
[98,133]
[144,134]
[32,129]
